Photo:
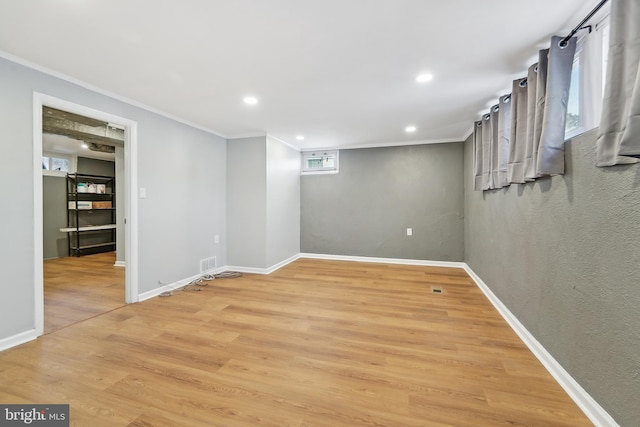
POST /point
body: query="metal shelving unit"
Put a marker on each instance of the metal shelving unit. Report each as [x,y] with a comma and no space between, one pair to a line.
[91,214]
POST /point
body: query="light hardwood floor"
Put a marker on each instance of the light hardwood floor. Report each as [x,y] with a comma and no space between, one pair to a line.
[317,343]
[78,288]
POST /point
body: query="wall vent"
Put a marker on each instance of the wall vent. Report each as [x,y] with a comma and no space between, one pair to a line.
[207,265]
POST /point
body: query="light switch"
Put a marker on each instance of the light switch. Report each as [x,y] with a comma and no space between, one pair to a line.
[409,231]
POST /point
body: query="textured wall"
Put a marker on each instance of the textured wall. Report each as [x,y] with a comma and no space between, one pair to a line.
[380,192]
[564,255]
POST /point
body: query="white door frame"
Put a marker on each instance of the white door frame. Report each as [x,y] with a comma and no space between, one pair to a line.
[131,201]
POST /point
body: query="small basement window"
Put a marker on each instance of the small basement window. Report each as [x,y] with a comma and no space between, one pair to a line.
[316,162]
[57,164]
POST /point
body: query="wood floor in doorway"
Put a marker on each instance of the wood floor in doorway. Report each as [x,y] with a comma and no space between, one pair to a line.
[316,343]
[79,288]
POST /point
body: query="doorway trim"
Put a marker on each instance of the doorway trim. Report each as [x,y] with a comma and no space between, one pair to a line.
[131,201]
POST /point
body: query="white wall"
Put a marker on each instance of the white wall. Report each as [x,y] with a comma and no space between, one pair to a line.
[263,203]
[120,191]
[184,175]
[247,202]
[283,202]
[183,169]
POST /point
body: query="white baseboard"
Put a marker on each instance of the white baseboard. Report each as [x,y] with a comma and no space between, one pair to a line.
[120,264]
[282,263]
[247,270]
[589,406]
[21,338]
[402,261]
[175,285]
[253,270]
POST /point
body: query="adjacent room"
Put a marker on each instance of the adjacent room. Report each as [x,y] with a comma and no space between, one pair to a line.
[320,213]
[83,231]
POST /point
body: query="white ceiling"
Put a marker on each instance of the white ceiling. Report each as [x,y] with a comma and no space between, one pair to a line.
[63,144]
[339,72]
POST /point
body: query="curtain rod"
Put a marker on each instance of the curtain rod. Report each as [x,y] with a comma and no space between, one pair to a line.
[564,41]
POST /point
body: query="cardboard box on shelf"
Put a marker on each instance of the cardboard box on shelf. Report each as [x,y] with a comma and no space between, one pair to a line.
[102,205]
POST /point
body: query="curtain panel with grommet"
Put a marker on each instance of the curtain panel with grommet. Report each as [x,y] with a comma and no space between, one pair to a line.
[491,147]
[527,128]
[518,132]
[551,150]
[477,159]
[487,155]
[504,135]
[619,135]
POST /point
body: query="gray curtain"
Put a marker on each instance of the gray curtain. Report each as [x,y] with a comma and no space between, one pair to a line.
[527,128]
[551,151]
[619,136]
[477,163]
[487,155]
[531,146]
[536,96]
[518,134]
[504,135]
[495,147]
[491,147]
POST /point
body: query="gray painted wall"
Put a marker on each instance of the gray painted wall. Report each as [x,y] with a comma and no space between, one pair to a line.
[247,202]
[564,254]
[365,209]
[96,167]
[54,216]
[183,169]
[283,202]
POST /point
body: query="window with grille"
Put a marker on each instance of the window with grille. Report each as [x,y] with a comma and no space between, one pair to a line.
[320,162]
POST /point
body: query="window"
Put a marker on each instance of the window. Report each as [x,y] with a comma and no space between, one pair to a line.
[587,78]
[320,162]
[56,164]
[574,124]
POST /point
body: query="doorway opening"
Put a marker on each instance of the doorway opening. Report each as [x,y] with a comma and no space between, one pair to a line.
[85,234]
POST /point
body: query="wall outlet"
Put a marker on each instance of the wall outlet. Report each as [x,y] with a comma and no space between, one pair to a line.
[216,239]
[409,231]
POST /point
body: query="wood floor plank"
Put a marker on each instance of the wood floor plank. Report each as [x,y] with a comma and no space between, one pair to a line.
[317,343]
[78,288]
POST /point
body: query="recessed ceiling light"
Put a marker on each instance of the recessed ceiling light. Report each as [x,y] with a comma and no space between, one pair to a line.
[410,129]
[251,100]
[300,137]
[423,78]
[84,146]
